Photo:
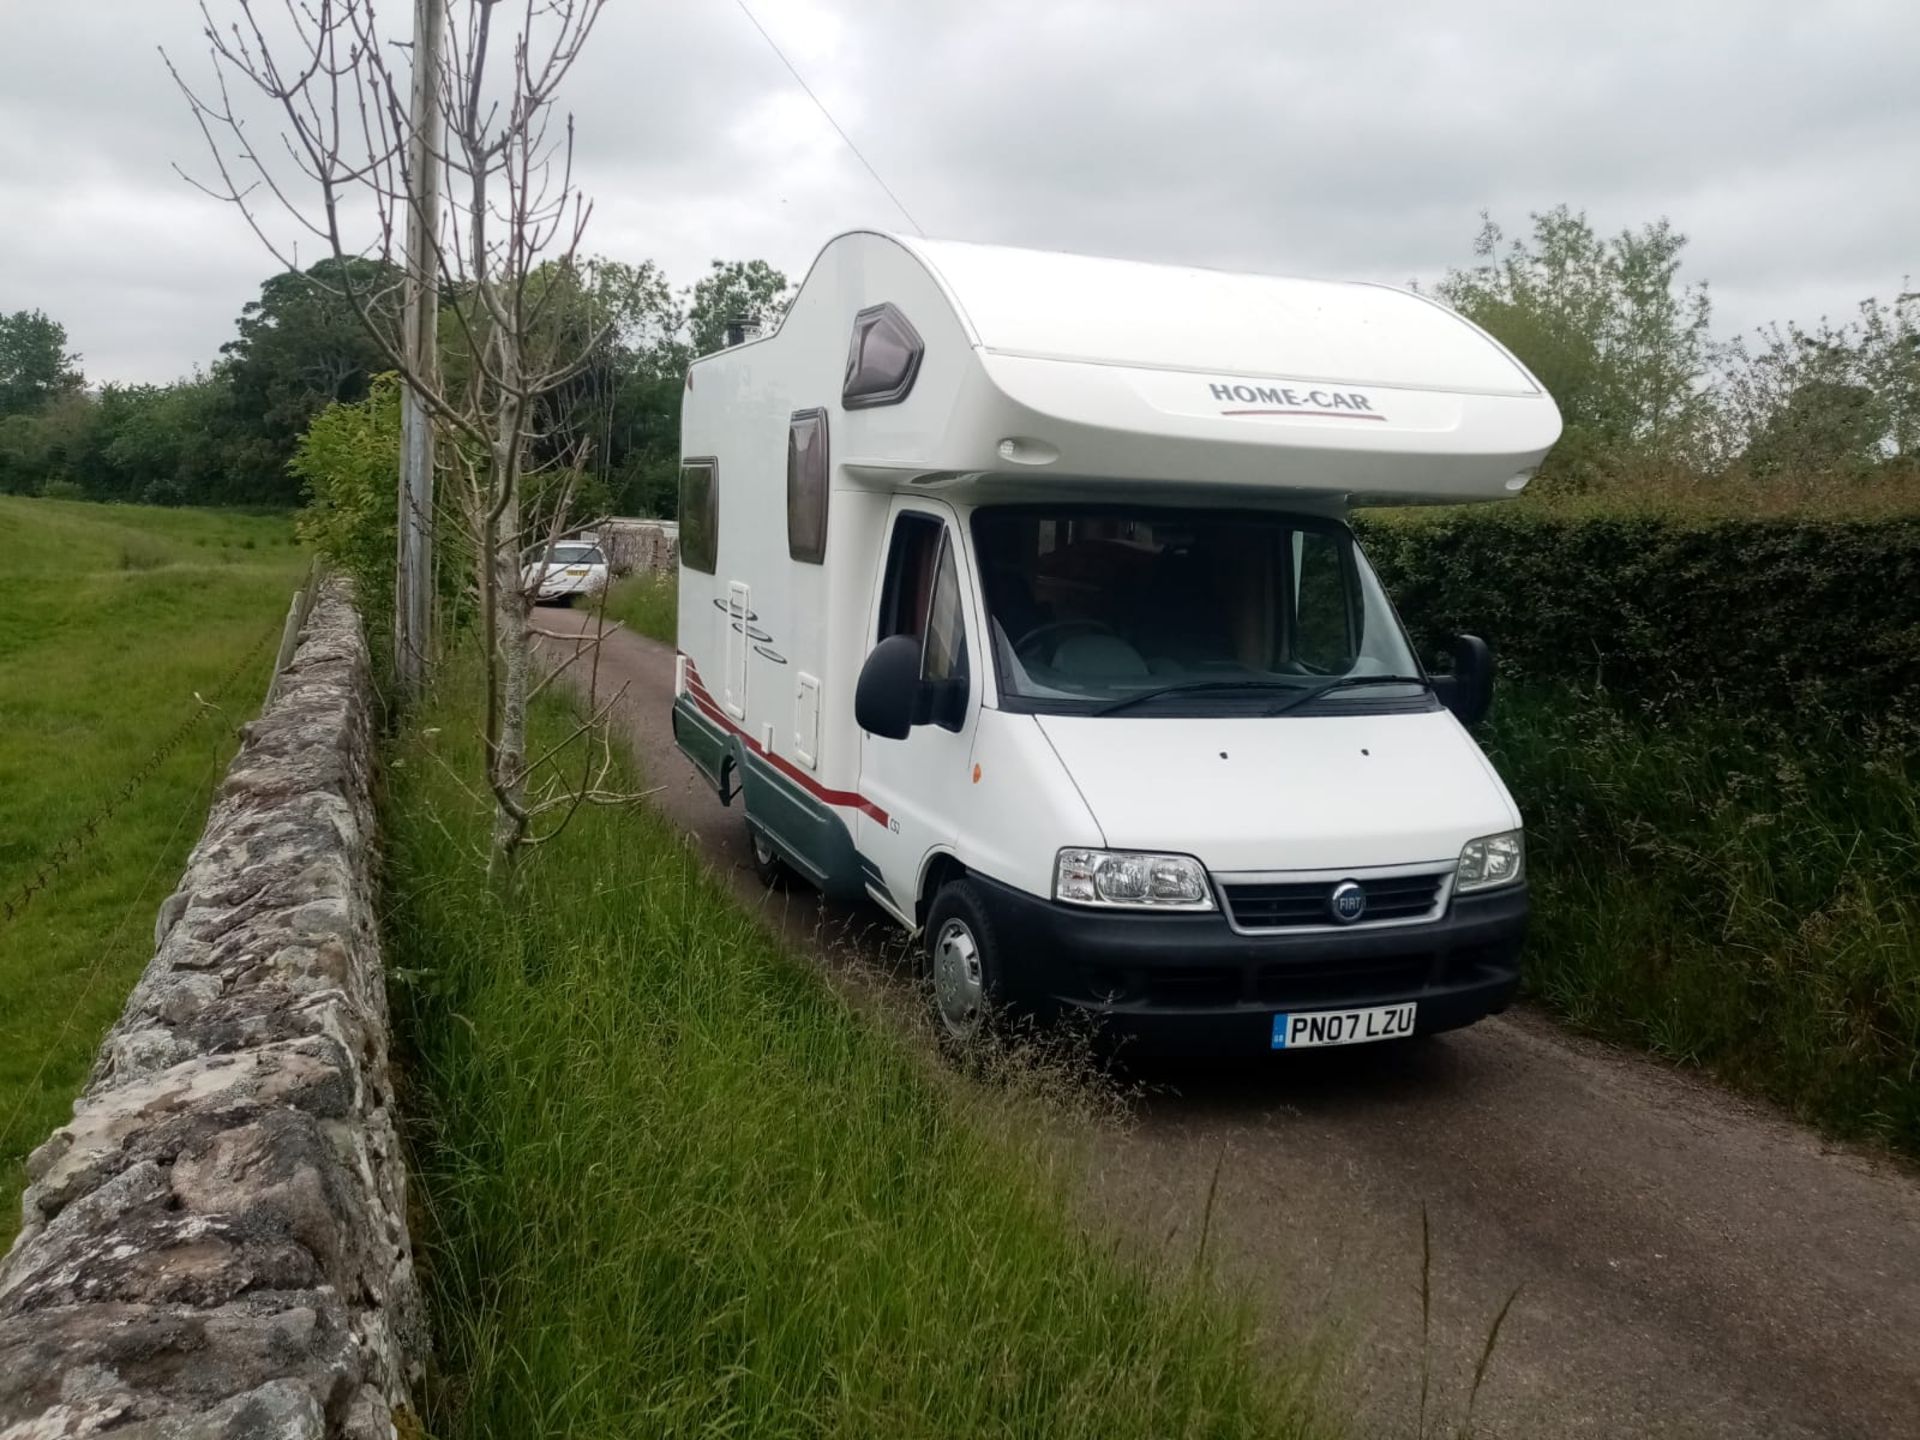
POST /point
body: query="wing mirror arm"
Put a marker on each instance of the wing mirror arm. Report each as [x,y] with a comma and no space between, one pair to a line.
[1468,690]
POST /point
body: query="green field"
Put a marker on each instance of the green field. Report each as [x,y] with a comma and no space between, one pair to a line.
[670,1184]
[111,618]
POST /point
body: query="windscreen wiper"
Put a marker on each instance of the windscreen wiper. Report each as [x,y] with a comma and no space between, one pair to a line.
[1345,682]
[1193,685]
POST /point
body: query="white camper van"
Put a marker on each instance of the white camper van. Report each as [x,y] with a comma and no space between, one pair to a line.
[1017,594]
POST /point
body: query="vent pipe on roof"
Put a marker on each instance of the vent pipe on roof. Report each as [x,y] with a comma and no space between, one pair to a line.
[740,329]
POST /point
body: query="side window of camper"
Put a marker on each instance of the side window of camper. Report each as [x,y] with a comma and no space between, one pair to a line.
[700,515]
[1322,618]
[807,486]
[882,359]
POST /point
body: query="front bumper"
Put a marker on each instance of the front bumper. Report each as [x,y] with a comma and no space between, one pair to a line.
[565,586]
[1189,984]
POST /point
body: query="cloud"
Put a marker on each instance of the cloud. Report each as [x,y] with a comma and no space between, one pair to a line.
[1330,140]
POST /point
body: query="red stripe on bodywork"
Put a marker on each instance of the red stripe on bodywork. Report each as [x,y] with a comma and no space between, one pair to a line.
[850,799]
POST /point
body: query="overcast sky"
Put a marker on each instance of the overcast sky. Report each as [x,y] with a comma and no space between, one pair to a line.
[1322,139]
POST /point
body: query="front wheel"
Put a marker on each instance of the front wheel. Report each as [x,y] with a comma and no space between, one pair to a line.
[963,961]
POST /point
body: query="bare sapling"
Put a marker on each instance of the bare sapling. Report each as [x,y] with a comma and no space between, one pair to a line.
[316,138]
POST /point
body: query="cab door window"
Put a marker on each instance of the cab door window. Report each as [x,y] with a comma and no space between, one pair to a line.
[910,567]
[945,655]
[922,598]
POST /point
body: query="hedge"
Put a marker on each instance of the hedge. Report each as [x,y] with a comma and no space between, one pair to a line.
[1771,618]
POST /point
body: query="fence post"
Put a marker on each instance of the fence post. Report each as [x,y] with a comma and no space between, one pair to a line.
[297,613]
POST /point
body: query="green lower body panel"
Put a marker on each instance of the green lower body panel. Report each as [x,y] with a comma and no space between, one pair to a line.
[705,744]
[810,834]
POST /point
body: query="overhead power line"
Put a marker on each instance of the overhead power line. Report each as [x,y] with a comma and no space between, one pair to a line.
[801,81]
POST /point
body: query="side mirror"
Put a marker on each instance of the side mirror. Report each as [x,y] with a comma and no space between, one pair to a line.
[1468,691]
[887,701]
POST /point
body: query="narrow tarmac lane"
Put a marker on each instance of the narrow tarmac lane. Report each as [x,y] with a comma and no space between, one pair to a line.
[1683,1263]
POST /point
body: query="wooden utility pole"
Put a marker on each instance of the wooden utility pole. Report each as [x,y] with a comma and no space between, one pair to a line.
[413,573]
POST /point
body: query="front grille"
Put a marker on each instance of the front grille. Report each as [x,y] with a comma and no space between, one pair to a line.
[1290,905]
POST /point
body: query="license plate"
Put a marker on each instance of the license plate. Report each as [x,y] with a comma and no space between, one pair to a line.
[579,571]
[1304,1029]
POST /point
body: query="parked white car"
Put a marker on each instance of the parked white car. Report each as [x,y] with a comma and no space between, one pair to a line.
[572,568]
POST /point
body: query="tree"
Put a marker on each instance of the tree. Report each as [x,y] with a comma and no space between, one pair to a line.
[35,366]
[26,461]
[341,171]
[750,290]
[184,444]
[346,462]
[643,468]
[621,413]
[299,348]
[622,321]
[1841,401]
[1620,344]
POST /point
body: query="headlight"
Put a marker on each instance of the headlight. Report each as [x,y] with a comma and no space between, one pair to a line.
[1491,860]
[1132,880]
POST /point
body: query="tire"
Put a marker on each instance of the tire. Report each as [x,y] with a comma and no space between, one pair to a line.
[767,864]
[963,962]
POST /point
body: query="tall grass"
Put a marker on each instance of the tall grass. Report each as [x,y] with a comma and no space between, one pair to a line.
[647,602]
[112,619]
[671,1185]
[1738,895]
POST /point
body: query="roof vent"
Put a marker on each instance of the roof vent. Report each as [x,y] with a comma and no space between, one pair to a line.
[742,328]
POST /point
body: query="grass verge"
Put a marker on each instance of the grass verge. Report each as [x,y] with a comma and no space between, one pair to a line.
[111,618]
[1741,898]
[648,602]
[672,1185]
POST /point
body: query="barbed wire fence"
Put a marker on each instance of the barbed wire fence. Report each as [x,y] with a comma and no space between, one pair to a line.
[75,843]
[196,800]
[194,803]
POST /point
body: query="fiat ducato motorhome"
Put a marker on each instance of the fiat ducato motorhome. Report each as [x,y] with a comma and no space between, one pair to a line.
[1017,594]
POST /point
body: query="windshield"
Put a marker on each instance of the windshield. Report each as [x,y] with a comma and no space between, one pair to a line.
[574,555]
[1089,607]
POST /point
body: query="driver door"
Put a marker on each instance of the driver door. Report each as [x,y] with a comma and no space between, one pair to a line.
[913,788]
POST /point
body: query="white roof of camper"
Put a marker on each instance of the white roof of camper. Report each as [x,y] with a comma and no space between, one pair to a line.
[1180,317]
[1045,375]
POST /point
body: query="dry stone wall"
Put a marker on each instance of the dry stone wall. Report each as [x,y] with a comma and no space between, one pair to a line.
[216,1247]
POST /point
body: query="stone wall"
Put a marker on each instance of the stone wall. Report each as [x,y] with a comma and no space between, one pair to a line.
[216,1246]
[640,545]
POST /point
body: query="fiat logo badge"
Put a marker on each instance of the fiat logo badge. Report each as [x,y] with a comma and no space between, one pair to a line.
[1348,902]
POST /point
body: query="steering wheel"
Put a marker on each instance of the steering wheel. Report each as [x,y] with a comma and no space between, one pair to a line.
[1039,632]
